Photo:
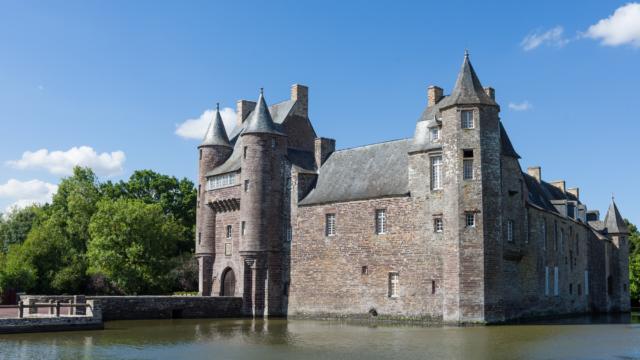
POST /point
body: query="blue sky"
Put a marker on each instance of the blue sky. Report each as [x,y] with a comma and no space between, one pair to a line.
[108,83]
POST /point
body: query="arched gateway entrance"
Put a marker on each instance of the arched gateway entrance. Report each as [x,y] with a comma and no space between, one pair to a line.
[228,283]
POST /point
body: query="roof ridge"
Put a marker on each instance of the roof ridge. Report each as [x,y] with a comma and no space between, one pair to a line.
[373,144]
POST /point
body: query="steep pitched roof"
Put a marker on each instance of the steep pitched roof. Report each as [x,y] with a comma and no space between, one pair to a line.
[507,147]
[279,113]
[216,134]
[260,121]
[362,173]
[468,89]
[613,220]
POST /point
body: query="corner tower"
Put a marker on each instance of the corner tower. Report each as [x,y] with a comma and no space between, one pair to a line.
[261,207]
[618,283]
[214,150]
[472,202]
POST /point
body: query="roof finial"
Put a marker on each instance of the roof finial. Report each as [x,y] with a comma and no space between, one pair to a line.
[217,106]
[261,91]
[466,53]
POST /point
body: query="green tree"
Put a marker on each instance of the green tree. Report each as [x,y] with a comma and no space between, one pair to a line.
[634,261]
[15,272]
[131,245]
[176,197]
[56,244]
[15,226]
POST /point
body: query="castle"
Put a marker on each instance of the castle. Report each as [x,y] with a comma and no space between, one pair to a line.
[443,226]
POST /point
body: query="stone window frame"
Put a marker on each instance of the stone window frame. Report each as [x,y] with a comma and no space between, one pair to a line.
[510,231]
[436,185]
[229,231]
[394,285]
[438,224]
[330,224]
[469,219]
[381,227]
[228,249]
[434,133]
[467,123]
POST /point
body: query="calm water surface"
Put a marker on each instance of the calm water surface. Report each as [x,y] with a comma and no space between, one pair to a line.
[583,338]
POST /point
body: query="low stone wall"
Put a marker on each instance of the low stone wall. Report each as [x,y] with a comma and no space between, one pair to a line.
[91,321]
[155,307]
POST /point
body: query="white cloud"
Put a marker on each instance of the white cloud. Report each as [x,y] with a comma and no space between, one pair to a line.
[623,27]
[552,37]
[62,162]
[523,106]
[196,128]
[25,193]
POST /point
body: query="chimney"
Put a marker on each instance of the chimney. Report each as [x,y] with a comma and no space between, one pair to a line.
[301,94]
[560,184]
[535,172]
[491,92]
[323,148]
[575,192]
[434,94]
[243,109]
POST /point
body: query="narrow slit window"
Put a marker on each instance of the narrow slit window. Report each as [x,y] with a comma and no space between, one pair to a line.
[227,249]
[438,226]
[381,221]
[330,224]
[510,230]
[229,230]
[394,281]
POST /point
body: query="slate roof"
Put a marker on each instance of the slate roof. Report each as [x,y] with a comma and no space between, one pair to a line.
[278,113]
[364,172]
[506,145]
[468,89]
[216,134]
[260,120]
[613,220]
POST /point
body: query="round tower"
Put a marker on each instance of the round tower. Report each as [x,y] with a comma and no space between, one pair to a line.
[214,150]
[263,150]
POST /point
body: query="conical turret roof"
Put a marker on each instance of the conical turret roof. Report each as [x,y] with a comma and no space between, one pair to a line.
[261,121]
[216,134]
[468,89]
[613,220]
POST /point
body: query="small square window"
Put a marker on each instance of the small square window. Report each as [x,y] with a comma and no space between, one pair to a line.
[229,228]
[435,133]
[330,225]
[365,270]
[467,119]
[467,153]
[438,226]
[470,219]
[227,249]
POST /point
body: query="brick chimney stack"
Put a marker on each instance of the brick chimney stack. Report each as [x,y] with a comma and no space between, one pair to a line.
[491,92]
[535,172]
[434,94]
[300,93]
[243,109]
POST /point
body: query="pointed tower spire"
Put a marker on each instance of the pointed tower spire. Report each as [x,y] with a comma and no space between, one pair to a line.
[216,134]
[261,121]
[468,89]
[613,220]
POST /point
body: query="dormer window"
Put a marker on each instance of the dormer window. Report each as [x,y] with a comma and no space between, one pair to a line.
[435,134]
[467,119]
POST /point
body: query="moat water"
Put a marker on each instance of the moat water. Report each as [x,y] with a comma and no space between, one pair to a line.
[576,338]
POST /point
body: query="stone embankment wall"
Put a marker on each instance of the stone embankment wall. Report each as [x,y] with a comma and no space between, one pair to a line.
[91,321]
[155,307]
